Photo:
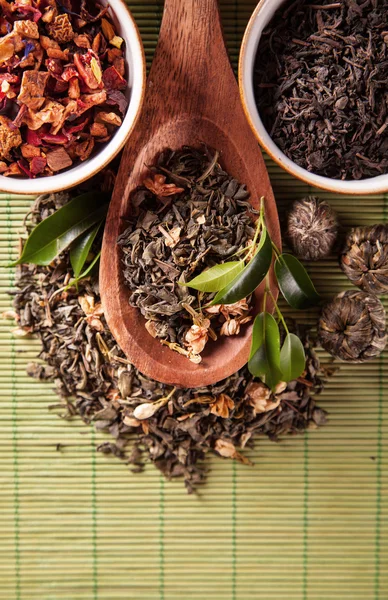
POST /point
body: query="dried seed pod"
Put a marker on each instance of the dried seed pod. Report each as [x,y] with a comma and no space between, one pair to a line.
[365,258]
[312,228]
[353,327]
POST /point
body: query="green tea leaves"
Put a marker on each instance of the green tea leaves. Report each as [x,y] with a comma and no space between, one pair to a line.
[85,273]
[264,361]
[57,232]
[216,278]
[295,283]
[81,247]
[292,358]
[251,276]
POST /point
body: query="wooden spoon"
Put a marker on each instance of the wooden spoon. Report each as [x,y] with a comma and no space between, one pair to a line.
[192,98]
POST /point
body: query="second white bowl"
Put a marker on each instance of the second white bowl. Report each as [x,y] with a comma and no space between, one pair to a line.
[259,20]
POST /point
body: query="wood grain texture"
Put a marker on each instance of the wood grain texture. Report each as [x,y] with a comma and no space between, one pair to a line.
[192,98]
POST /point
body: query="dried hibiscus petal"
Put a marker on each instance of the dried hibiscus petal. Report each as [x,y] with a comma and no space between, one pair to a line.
[117,98]
[26,9]
[38,165]
[113,80]
[76,128]
[58,139]
[33,138]
[25,168]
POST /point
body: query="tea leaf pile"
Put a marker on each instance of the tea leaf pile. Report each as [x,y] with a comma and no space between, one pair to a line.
[171,238]
[94,380]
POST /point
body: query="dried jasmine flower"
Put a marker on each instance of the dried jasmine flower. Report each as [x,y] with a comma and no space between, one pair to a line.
[353,327]
[365,258]
[312,228]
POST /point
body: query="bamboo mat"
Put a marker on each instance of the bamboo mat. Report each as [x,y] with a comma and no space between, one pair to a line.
[308,522]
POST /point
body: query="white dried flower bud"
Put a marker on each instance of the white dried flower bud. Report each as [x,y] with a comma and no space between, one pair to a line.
[230,327]
[225,448]
[131,422]
[280,388]
[145,411]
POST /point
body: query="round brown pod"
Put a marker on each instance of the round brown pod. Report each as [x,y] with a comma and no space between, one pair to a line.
[312,228]
[353,326]
[365,258]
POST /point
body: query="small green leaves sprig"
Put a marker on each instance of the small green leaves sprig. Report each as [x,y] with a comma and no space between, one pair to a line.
[74,227]
[236,280]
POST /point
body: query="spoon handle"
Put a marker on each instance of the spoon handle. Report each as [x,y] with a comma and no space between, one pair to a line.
[191,52]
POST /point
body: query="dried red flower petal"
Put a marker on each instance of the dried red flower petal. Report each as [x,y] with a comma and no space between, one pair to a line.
[25,168]
[58,139]
[113,80]
[33,138]
[38,165]
[26,9]
[117,98]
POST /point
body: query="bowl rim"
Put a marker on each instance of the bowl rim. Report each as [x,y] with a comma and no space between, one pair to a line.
[372,185]
[88,169]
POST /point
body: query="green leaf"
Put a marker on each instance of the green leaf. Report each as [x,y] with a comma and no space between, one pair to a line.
[264,360]
[85,273]
[217,277]
[295,283]
[251,276]
[80,249]
[57,232]
[292,358]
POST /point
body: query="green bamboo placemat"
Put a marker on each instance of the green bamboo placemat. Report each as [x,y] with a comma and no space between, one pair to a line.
[308,522]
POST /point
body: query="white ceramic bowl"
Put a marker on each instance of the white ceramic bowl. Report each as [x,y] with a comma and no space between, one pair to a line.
[259,20]
[136,68]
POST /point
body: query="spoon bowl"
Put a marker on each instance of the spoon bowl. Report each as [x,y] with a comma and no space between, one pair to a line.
[191,99]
